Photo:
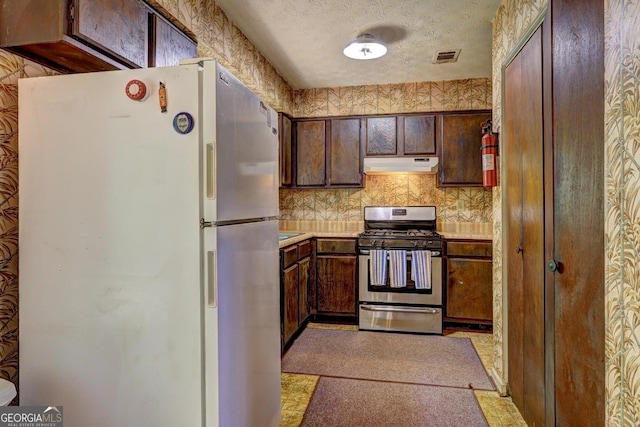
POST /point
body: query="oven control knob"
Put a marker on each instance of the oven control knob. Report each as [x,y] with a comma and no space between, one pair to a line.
[415,243]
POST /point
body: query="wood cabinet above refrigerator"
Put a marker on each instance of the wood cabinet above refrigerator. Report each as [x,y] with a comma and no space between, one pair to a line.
[85,35]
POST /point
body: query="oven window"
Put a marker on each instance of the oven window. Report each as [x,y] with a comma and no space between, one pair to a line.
[409,288]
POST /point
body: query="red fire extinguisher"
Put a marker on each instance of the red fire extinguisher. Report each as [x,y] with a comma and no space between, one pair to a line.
[489,151]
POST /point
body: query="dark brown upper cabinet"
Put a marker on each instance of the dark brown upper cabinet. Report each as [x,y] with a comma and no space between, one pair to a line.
[286,151]
[117,27]
[167,44]
[382,136]
[91,35]
[328,152]
[419,134]
[310,153]
[401,135]
[345,159]
[459,143]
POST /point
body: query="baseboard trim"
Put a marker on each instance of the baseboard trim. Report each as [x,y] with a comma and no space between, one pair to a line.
[500,384]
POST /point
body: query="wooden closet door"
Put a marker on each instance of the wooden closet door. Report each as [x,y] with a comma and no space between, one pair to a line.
[525,229]
[578,234]
[512,150]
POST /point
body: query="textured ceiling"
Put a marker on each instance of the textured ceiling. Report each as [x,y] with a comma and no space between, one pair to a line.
[303,39]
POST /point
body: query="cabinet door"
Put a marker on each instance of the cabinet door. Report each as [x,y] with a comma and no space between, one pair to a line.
[382,138]
[345,158]
[116,26]
[310,155]
[285,151]
[168,45]
[336,285]
[460,142]
[419,135]
[469,289]
[290,301]
[304,268]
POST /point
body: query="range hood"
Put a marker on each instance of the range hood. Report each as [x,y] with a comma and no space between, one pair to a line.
[400,164]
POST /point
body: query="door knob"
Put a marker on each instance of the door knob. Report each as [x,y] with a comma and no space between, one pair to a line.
[553,265]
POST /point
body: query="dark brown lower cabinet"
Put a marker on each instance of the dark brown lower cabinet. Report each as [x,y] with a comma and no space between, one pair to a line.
[469,282]
[337,279]
[304,270]
[295,279]
[290,305]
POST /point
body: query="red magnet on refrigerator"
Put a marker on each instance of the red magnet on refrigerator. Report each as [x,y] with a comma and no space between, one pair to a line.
[136,90]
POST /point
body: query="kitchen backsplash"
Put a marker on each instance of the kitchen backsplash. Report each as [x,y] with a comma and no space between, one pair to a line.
[452,204]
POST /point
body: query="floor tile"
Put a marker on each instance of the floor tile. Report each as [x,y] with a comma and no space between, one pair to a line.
[297,390]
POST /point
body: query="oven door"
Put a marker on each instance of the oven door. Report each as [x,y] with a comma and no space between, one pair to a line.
[408,295]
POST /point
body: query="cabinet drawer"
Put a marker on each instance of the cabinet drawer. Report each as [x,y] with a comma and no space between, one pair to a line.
[481,249]
[336,246]
[304,249]
[289,255]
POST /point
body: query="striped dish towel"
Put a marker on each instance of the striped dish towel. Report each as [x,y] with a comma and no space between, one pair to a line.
[421,269]
[378,268]
[398,268]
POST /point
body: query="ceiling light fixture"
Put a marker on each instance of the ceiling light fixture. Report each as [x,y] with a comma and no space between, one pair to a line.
[365,46]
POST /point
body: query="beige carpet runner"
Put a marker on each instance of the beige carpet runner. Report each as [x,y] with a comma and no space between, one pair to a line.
[402,358]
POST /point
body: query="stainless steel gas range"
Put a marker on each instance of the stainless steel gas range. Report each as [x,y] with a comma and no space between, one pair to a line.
[400,270]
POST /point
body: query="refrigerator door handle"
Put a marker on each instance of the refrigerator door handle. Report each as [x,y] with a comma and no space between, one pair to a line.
[211,167]
[211,279]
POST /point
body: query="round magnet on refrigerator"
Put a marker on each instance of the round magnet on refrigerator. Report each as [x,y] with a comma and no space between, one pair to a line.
[183,123]
[136,90]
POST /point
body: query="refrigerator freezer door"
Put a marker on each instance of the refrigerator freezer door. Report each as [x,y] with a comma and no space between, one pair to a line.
[110,268]
[244,149]
[245,319]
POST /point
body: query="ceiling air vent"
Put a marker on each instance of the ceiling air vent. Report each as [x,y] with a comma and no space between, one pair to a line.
[446,56]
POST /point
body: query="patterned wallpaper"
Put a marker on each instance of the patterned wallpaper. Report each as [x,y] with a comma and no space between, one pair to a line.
[387,190]
[448,95]
[622,211]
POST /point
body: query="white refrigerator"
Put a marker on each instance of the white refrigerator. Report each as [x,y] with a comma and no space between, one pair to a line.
[149,287]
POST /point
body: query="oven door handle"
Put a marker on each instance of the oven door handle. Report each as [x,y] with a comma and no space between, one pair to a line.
[401,309]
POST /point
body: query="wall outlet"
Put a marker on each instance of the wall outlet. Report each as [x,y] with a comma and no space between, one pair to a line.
[459,205]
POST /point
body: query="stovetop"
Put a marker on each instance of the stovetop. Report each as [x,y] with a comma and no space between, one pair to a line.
[400,234]
[400,227]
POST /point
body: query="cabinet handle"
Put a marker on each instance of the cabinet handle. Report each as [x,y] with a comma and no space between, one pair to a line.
[519,249]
